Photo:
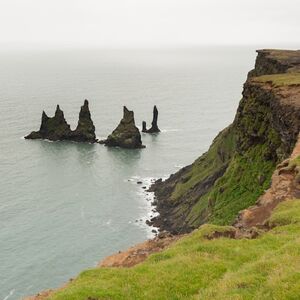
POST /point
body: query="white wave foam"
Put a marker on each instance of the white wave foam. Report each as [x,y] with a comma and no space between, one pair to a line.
[179,166]
[9,295]
[170,130]
[147,204]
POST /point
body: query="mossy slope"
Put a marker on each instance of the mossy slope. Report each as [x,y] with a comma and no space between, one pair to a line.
[198,268]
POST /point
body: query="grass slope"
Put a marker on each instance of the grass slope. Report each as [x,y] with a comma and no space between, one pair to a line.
[198,268]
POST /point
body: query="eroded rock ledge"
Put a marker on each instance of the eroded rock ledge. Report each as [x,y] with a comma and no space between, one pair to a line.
[56,128]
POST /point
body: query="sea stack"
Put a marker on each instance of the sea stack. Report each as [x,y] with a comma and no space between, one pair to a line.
[57,129]
[85,131]
[154,128]
[54,129]
[126,135]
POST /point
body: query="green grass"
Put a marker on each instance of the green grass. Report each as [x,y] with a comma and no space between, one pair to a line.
[281,79]
[218,155]
[197,268]
[240,186]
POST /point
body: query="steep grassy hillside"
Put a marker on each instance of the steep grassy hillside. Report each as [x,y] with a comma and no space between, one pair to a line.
[198,267]
[238,166]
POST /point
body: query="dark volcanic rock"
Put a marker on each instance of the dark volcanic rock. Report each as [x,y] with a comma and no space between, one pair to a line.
[154,128]
[54,129]
[126,135]
[238,166]
[144,126]
[85,131]
[57,129]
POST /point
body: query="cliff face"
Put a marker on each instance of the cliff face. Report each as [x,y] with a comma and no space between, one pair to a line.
[237,168]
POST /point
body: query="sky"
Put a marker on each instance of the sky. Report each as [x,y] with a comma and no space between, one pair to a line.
[148,23]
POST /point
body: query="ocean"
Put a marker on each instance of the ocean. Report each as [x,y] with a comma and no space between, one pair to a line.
[64,206]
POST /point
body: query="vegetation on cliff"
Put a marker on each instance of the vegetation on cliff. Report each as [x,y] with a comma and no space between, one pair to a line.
[238,166]
[256,258]
[197,267]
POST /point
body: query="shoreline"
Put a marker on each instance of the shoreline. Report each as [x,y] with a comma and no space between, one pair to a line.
[154,242]
[123,259]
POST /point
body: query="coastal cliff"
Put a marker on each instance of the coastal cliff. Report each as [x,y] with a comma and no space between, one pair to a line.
[249,177]
[238,166]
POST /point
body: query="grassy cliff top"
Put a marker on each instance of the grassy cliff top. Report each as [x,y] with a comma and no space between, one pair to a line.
[287,57]
[278,80]
[198,268]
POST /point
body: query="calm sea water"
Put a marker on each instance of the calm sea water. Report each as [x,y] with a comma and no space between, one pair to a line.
[64,206]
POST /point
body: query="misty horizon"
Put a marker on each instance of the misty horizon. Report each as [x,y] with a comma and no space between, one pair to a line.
[146,24]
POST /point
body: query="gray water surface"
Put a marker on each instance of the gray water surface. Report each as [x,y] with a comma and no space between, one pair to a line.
[64,206]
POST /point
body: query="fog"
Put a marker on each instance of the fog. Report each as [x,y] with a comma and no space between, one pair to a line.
[148,23]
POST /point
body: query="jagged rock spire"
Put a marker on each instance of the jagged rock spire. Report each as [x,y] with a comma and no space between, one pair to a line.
[126,135]
[144,126]
[85,130]
[56,128]
[154,128]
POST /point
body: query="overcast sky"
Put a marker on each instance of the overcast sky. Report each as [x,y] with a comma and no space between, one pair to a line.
[149,23]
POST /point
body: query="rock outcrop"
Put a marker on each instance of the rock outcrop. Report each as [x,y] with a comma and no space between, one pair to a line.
[54,129]
[57,129]
[154,127]
[272,61]
[126,135]
[238,166]
[85,131]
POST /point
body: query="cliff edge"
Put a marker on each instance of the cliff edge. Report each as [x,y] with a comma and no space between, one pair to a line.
[238,166]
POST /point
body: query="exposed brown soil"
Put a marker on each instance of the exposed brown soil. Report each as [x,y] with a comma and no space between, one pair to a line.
[139,252]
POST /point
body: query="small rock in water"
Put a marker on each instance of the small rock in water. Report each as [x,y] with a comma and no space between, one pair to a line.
[154,231]
[144,187]
[139,182]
